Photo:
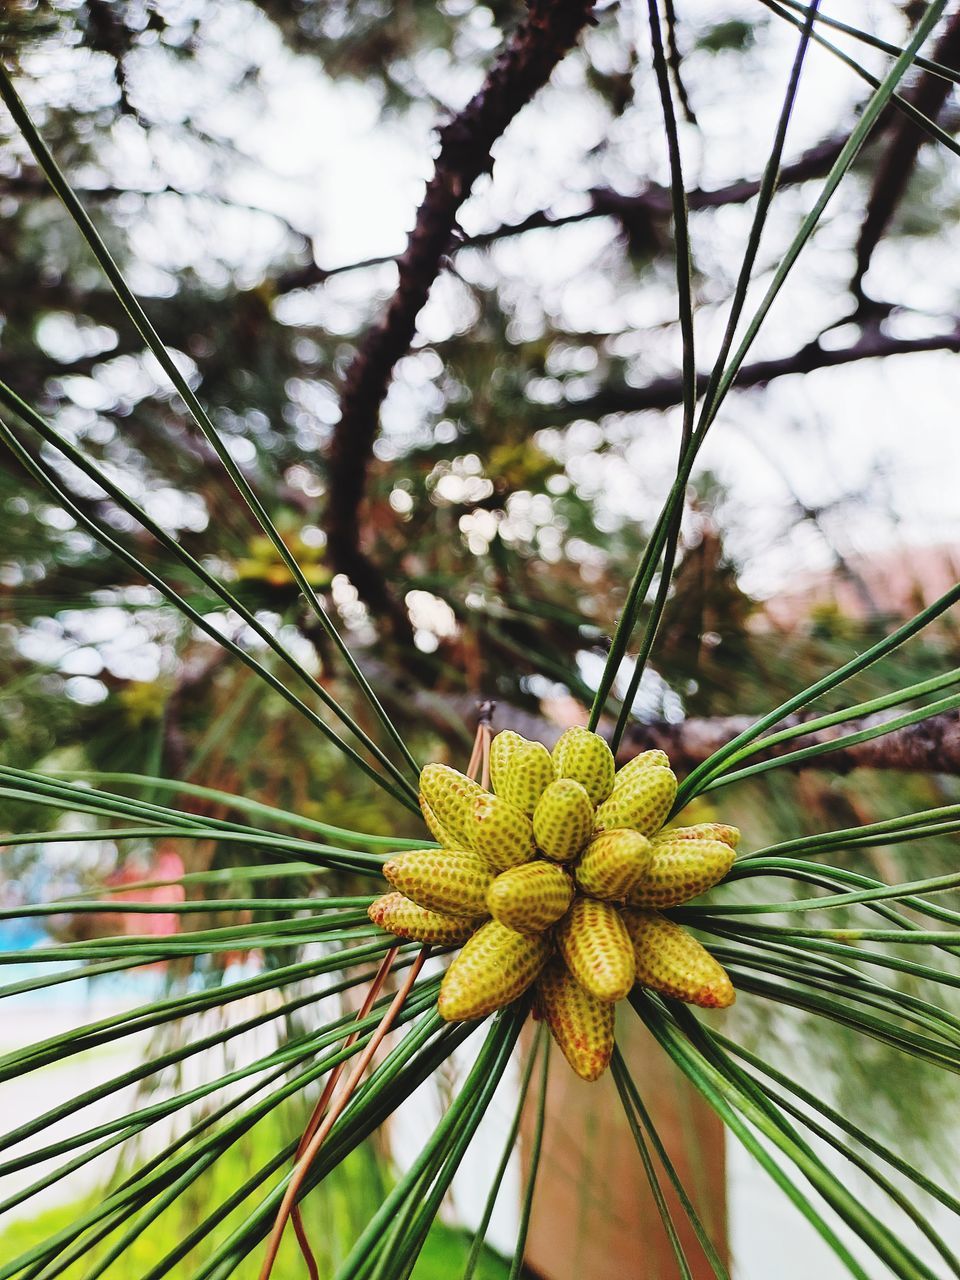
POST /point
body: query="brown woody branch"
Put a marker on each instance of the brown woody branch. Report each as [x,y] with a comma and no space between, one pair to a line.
[638,211]
[932,746]
[663,393]
[653,202]
[549,31]
[634,212]
[31,183]
[892,175]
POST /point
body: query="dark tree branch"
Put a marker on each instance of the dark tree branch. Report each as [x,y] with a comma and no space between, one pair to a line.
[899,159]
[549,31]
[637,210]
[675,61]
[663,393]
[932,746]
[653,202]
[107,33]
[30,182]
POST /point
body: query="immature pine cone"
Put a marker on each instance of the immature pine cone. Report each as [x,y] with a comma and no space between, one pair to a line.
[558,877]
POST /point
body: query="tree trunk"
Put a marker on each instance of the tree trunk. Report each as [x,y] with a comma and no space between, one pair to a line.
[594,1217]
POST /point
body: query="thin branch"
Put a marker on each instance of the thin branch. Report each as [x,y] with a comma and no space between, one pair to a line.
[899,159]
[681,235]
[539,43]
[675,62]
[634,212]
[663,393]
[323,1102]
[308,1154]
[30,183]
[932,746]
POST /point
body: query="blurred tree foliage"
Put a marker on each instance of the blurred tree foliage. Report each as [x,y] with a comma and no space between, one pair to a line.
[487,508]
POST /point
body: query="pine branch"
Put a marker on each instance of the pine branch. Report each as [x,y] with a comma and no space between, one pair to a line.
[549,31]
[932,746]
[663,393]
[28,183]
[634,212]
[898,161]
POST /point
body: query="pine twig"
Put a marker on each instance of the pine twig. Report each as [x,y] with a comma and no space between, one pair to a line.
[302,1167]
[633,210]
[664,393]
[932,746]
[539,43]
[324,1101]
[892,175]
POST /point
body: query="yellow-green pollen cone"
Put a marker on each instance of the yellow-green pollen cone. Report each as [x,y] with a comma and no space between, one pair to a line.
[556,878]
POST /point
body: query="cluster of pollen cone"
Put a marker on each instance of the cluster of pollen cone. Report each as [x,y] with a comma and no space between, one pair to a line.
[557,876]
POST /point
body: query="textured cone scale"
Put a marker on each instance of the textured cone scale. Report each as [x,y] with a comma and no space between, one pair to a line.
[581,1024]
[641,803]
[495,967]
[673,962]
[501,750]
[596,946]
[529,771]
[406,919]
[645,760]
[614,863]
[449,880]
[436,827]
[501,833]
[702,831]
[585,757]
[681,869]
[563,819]
[530,898]
[573,863]
[450,796]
